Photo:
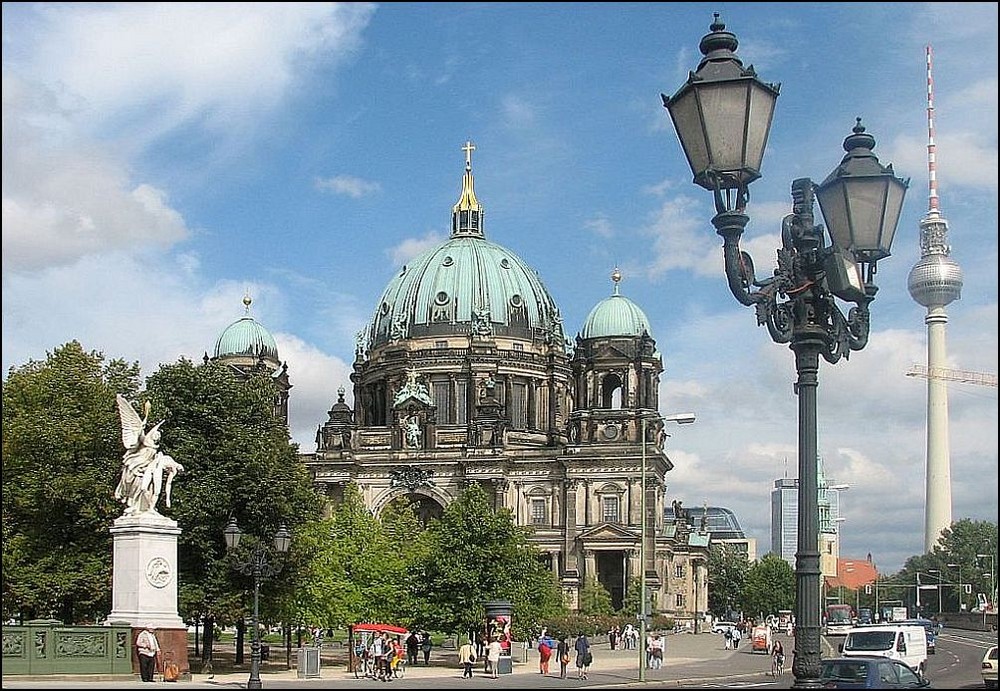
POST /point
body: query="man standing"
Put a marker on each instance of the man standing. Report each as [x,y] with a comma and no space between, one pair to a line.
[148,648]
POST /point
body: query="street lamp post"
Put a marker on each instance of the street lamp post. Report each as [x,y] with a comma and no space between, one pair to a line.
[961,587]
[722,116]
[993,578]
[257,563]
[680,419]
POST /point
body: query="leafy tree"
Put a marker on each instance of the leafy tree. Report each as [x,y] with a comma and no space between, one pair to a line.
[952,560]
[769,587]
[61,457]
[476,553]
[595,598]
[727,572]
[238,462]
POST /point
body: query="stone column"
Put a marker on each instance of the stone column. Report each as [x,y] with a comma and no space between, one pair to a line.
[144,583]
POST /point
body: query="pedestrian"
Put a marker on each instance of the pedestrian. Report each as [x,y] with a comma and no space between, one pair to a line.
[583,655]
[493,657]
[412,646]
[656,652]
[545,646]
[729,638]
[562,650]
[737,635]
[425,647]
[467,658]
[148,649]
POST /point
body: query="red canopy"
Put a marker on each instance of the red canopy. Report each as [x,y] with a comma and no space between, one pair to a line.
[390,628]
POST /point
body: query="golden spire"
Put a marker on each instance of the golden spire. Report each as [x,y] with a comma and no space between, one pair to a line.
[467,214]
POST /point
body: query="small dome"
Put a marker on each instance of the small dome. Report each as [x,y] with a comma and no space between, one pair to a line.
[615,316]
[245,338]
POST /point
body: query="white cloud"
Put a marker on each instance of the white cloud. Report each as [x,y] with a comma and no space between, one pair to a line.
[66,196]
[348,185]
[517,111]
[413,247]
[600,225]
[164,64]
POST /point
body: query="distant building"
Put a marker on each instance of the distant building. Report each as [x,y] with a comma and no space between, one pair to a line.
[784,519]
[785,516]
[722,526]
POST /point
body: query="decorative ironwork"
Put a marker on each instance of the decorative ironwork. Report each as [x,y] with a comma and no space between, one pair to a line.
[81,645]
[410,477]
[13,644]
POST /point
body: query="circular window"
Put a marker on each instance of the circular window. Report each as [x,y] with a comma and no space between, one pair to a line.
[385,308]
[610,431]
[505,263]
[441,298]
[448,261]
[516,301]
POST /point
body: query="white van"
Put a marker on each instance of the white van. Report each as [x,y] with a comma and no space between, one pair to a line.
[908,644]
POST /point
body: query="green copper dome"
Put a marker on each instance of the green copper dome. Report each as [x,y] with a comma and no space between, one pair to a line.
[247,338]
[466,285]
[615,316]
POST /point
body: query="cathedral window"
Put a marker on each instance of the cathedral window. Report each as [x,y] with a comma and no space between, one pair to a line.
[461,401]
[679,600]
[678,570]
[519,406]
[539,514]
[609,509]
[442,399]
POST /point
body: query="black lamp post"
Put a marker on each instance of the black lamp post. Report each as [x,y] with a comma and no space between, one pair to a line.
[722,115]
[258,564]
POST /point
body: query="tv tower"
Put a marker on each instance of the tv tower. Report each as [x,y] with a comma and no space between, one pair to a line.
[935,282]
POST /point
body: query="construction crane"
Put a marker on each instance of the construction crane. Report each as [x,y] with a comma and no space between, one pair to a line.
[949,374]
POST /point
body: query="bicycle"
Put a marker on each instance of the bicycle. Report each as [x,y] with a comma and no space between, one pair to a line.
[365,665]
[777,665]
[399,668]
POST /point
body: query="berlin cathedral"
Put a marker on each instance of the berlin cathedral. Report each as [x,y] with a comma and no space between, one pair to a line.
[464,374]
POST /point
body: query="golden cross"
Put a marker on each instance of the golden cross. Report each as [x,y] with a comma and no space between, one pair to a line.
[468,149]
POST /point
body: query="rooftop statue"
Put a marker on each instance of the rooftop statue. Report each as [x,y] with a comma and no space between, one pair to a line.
[146,471]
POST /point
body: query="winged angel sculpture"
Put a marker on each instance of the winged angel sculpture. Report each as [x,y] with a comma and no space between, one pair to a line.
[146,471]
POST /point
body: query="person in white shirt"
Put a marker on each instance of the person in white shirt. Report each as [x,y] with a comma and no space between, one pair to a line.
[147,648]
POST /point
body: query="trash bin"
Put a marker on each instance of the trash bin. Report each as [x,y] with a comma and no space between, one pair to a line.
[265,652]
[505,665]
[308,662]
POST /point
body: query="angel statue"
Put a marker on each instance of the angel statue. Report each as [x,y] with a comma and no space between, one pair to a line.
[145,469]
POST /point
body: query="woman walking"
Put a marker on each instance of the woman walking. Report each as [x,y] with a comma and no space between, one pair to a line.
[562,650]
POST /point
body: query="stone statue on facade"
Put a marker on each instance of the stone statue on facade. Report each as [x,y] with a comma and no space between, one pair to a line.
[146,471]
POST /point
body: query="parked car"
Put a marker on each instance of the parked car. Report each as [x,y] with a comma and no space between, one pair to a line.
[723,626]
[990,668]
[869,672]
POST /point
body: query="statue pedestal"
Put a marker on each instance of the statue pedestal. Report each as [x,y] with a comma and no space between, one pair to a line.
[144,586]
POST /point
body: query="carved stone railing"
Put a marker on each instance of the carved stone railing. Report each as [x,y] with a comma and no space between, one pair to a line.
[47,647]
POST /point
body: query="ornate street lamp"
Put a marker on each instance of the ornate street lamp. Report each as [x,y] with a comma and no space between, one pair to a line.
[722,115]
[258,564]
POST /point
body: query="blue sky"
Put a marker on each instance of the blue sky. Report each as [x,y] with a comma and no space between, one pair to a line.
[161,160]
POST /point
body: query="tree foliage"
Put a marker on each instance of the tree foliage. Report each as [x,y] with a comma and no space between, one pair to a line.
[728,568]
[595,598]
[61,455]
[475,554]
[769,587]
[238,463]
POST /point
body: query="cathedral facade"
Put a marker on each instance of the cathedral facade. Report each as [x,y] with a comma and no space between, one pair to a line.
[464,375]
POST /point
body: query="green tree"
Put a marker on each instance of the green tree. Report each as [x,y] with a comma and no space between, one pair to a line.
[476,553]
[595,598]
[61,457]
[238,462]
[727,572]
[769,587]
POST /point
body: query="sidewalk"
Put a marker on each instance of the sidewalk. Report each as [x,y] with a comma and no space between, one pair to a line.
[681,649]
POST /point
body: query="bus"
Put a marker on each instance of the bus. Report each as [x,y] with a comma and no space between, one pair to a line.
[839,620]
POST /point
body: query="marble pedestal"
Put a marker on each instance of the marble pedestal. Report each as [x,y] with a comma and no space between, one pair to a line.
[144,585]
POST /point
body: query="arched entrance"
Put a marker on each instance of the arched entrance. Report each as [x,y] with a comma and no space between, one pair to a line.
[425,508]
